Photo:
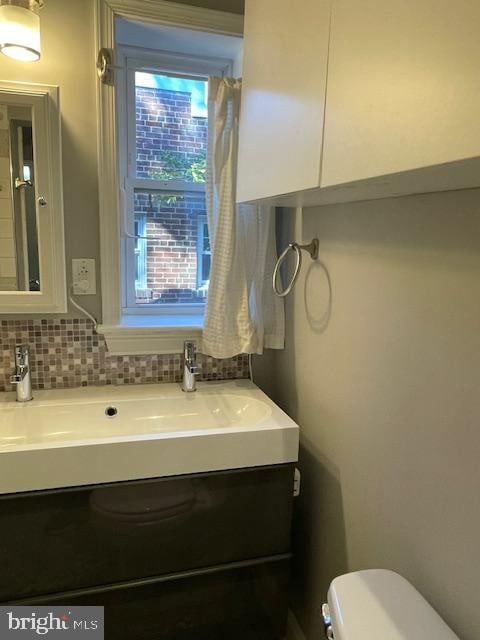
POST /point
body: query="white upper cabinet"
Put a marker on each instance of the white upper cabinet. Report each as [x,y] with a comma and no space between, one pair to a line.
[403,87]
[283,97]
[402,102]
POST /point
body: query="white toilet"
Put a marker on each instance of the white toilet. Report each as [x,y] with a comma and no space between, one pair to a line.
[380,605]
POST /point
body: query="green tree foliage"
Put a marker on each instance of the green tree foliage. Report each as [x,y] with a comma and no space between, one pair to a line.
[191,168]
[175,164]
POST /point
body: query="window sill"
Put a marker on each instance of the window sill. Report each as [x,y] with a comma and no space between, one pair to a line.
[147,335]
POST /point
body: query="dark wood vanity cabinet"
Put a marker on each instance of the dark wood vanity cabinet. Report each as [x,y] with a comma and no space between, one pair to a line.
[188,557]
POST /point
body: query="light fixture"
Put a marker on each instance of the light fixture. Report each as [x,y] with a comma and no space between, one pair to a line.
[20,29]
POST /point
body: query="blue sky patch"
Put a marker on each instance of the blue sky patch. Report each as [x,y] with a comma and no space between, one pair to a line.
[197,88]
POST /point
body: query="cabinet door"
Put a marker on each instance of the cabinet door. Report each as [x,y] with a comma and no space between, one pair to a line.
[233,602]
[67,539]
[403,87]
[283,97]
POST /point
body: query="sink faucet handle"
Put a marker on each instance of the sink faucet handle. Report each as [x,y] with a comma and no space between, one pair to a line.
[191,357]
[22,375]
[189,351]
[22,353]
[190,369]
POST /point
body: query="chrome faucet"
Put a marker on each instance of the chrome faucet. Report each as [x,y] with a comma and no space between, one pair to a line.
[190,369]
[22,378]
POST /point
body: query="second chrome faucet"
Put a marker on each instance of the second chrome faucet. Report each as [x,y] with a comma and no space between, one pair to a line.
[190,369]
[22,376]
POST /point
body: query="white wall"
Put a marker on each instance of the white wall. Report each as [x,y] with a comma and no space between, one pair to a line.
[383,375]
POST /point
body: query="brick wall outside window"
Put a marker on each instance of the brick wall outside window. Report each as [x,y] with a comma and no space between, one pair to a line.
[165,126]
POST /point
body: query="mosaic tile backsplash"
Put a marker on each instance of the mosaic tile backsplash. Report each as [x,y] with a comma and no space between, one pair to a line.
[69,353]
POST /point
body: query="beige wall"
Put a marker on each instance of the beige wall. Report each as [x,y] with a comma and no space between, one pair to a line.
[383,375]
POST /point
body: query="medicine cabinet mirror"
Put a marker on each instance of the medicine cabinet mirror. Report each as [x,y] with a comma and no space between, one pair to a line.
[32,254]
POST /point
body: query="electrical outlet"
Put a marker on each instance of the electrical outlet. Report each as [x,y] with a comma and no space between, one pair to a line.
[83,276]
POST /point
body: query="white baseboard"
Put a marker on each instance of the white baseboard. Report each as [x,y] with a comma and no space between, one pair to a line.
[294,631]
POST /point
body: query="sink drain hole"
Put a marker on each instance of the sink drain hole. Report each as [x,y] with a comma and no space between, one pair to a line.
[111,412]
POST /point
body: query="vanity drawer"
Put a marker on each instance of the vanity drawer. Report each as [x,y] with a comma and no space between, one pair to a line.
[242,602]
[52,541]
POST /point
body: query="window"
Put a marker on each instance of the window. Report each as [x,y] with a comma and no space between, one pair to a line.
[166,248]
[139,316]
[168,120]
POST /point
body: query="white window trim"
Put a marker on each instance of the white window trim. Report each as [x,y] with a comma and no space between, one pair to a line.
[132,335]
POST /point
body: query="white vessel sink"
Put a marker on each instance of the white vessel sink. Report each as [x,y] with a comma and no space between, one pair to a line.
[109,434]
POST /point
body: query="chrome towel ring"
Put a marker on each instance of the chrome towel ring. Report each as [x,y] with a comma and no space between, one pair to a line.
[312,249]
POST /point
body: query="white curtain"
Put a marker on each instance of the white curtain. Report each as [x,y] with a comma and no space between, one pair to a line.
[243,315]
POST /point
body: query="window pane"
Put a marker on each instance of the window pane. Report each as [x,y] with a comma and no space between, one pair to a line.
[140,256]
[206,259]
[173,260]
[171,127]
[206,239]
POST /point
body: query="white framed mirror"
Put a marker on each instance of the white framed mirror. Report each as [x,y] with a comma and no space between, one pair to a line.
[32,243]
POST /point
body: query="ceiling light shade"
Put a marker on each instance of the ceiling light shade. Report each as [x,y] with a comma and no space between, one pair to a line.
[20,30]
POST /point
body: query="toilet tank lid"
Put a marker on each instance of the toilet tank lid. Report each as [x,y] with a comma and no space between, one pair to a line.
[381,604]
